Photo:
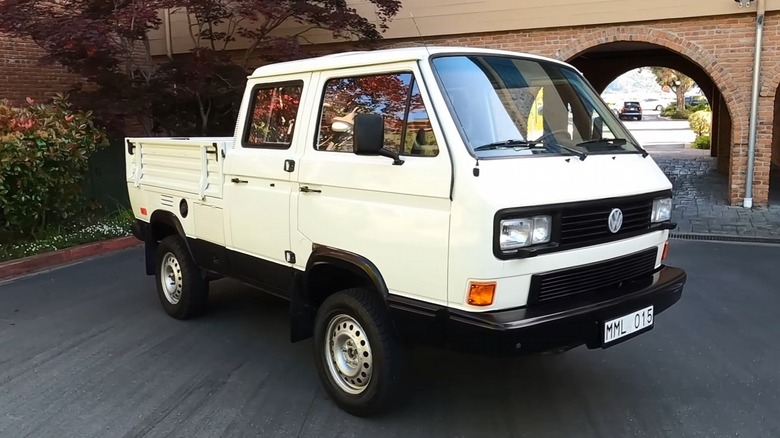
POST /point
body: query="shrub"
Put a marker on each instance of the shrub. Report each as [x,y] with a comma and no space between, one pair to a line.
[44,156]
[701,122]
[699,107]
[669,110]
[701,142]
[672,112]
[680,114]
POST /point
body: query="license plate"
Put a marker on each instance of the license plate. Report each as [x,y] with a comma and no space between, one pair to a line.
[625,325]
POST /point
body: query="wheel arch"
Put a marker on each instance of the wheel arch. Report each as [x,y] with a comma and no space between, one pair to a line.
[329,270]
[164,223]
[161,224]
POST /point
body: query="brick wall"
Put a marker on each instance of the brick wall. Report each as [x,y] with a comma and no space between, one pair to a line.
[22,76]
[721,46]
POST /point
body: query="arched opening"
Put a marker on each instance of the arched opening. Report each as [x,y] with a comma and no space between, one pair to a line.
[604,63]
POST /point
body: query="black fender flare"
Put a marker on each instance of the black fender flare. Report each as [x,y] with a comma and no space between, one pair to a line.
[168,218]
[349,261]
[302,310]
[151,242]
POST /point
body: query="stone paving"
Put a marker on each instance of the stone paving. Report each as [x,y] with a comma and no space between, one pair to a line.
[700,194]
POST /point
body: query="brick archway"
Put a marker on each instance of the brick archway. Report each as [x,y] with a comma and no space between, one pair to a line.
[771,82]
[734,99]
[668,40]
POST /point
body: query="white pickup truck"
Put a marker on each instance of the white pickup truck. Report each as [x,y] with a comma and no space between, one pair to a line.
[472,198]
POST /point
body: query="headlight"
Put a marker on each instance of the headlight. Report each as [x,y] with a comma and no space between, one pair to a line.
[518,233]
[662,210]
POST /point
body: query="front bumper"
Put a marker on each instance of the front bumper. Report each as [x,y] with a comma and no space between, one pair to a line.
[558,326]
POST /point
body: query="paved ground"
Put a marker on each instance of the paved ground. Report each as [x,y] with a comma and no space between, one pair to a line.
[86,351]
[654,130]
[700,192]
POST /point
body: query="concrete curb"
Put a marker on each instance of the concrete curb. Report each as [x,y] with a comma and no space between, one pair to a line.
[27,265]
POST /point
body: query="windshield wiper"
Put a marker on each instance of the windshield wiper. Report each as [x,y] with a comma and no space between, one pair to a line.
[580,154]
[606,141]
[612,143]
[507,144]
[525,144]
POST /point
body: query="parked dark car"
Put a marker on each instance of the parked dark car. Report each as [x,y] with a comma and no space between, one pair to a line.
[630,110]
[695,100]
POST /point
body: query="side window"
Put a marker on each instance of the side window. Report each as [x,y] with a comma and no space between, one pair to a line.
[271,118]
[420,139]
[395,96]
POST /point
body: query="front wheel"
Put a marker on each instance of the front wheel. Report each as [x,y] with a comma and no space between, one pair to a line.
[357,354]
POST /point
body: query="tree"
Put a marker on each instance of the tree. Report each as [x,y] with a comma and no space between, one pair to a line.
[106,42]
[676,81]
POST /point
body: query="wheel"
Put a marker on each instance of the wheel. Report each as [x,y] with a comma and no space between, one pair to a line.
[356,352]
[639,118]
[659,108]
[183,292]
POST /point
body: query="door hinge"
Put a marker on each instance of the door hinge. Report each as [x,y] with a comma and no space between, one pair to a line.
[289,256]
[289,165]
[130,147]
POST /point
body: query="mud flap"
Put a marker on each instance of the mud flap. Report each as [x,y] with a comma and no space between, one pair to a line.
[302,314]
[150,252]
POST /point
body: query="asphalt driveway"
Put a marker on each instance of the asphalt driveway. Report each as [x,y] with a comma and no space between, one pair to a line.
[87,351]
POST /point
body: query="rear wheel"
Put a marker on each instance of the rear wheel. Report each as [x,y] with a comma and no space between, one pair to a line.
[182,291]
[356,352]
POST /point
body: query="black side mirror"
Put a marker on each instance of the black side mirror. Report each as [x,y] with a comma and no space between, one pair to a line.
[369,137]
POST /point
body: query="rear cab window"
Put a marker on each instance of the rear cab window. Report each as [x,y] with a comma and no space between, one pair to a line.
[272,115]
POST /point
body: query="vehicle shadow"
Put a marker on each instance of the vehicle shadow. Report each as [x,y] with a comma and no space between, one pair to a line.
[458,391]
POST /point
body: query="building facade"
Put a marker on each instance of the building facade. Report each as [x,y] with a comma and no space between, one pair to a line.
[710,40]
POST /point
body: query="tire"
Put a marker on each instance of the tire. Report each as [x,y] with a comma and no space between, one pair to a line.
[639,118]
[659,108]
[183,292]
[367,381]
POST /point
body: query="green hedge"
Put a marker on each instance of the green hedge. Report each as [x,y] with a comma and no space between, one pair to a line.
[44,159]
[701,142]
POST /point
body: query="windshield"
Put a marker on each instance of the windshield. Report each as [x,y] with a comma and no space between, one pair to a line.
[507,107]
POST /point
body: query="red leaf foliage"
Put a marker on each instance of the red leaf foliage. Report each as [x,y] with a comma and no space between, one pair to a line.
[106,43]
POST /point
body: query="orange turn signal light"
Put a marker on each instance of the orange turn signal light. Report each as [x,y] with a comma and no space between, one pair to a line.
[481,293]
[666,250]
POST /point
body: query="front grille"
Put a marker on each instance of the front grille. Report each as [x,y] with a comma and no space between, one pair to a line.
[583,279]
[585,224]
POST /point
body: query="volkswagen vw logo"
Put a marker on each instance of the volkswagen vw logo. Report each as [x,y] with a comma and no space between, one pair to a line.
[615,220]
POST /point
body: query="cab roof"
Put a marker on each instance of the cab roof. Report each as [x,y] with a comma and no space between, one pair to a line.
[374,57]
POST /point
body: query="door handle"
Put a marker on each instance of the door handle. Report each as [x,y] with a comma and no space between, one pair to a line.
[306,189]
[239,181]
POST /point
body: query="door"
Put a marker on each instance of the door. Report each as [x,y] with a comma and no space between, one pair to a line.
[258,184]
[396,216]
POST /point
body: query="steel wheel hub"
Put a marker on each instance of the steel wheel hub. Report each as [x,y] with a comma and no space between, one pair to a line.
[171,278]
[349,356]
